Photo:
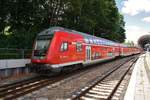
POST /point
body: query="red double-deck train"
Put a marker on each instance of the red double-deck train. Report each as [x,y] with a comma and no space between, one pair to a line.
[57,48]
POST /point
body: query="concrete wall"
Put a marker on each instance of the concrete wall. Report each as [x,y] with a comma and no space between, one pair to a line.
[13,63]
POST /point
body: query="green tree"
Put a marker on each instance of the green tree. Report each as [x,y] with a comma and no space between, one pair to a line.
[26,18]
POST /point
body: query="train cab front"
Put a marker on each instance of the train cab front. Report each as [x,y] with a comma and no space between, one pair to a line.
[41,56]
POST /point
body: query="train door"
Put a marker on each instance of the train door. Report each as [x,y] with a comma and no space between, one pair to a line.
[88,53]
[114,51]
[122,51]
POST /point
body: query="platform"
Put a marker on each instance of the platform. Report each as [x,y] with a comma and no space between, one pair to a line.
[139,85]
[11,67]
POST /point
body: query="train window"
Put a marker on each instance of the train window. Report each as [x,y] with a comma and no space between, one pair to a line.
[86,41]
[91,41]
[96,55]
[78,46]
[104,42]
[100,42]
[95,42]
[107,43]
[64,46]
[43,42]
[110,43]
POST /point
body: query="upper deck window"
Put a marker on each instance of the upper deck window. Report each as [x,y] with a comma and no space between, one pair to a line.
[95,42]
[100,42]
[86,41]
[91,41]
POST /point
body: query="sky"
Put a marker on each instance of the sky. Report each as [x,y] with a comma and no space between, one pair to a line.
[136,16]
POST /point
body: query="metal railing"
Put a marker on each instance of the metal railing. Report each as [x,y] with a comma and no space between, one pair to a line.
[13,53]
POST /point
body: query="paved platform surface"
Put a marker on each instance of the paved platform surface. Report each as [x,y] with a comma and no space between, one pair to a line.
[139,85]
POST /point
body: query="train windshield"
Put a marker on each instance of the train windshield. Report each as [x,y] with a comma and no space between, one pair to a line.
[43,42]
[42,45]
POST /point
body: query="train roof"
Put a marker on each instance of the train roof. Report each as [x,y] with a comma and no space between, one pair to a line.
[88,38]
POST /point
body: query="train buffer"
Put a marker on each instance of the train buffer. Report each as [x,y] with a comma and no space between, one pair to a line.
[139,85]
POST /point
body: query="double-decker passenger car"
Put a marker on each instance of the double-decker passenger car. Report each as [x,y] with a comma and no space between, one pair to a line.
[56,48]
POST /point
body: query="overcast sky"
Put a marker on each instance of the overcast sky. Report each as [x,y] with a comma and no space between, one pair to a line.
[137,17]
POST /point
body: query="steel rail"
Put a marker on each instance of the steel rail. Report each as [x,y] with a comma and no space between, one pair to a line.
[78,94]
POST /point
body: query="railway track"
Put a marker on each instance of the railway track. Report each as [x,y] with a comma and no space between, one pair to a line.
[103,87]
[18,89]
[21,88]
[19,82]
